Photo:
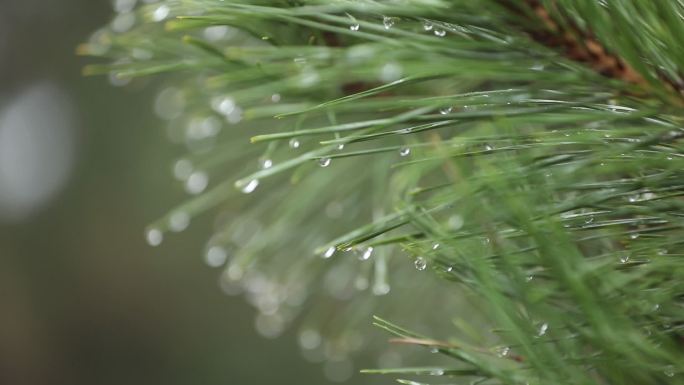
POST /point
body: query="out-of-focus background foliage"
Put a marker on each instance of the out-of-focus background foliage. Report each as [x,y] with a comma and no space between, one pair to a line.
[83,168]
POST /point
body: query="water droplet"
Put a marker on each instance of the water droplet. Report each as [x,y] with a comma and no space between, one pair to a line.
[388,22]
[182,169]
[217,32]
[427,26]
[197,182]
[503,351]
[358,54]
[404,151]
[589,220]
[216,256]
[308,78]
[170,103]
[669,371]
[366,254]
[123,22]
[455,222]
[224,105]
[381,288]
[265,163]
[633,198]
[201,128]
[309,339]
[390,72]
[648,196]
[235,272]
[275,98]
[542,329]
[440,32]
[437,372]
[329,252]
[488,147]
[340,146]
[634,236]
[529,278]
[537,67]
[324,162]
[355,27]
[420,263]
[624,258]
[251,186]
[446,110]
[361,283]
[154,237]
[434,350]
[179,221]
[294,143]
[435,246]
[300,61]
[161,13]
[117,80]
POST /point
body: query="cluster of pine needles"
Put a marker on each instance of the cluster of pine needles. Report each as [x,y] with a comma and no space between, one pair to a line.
[504,176]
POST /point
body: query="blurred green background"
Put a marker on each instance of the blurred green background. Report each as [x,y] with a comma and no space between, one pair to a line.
[84,167]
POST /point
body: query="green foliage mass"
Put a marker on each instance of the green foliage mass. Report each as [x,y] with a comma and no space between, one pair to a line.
[433,139]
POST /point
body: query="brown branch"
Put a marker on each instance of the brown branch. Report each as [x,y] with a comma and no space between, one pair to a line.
[581,45]
[573,42]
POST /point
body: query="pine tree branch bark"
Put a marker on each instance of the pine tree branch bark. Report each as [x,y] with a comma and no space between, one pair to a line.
[582,46]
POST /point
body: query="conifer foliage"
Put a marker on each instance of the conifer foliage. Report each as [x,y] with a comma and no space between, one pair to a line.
[504,175]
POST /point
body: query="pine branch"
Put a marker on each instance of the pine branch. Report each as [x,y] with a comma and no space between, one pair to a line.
[536,170]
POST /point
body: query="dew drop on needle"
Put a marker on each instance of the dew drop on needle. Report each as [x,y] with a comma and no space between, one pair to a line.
[329,252]
[420,263]
[294,143]
[366,254]
[154,237]
[265,163]
[251,186]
